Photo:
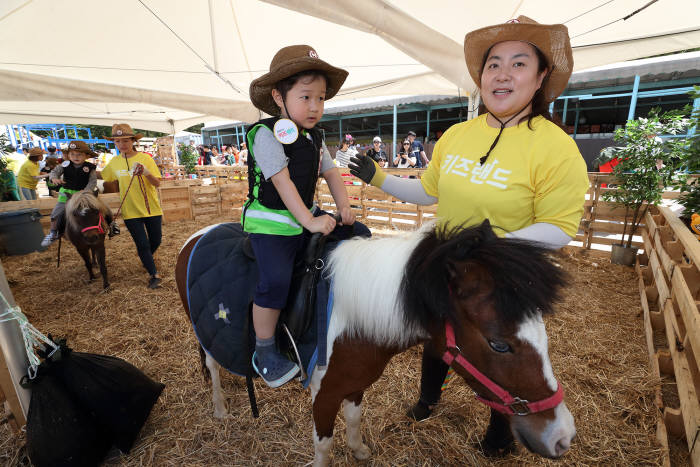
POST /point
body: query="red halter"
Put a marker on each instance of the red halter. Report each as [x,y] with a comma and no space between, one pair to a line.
[98,226]
[511,405]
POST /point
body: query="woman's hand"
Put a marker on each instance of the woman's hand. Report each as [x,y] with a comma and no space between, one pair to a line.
[139,169]
[347,217]
[324,224]
[362,167]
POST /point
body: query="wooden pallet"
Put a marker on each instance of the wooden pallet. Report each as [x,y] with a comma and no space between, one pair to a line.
[8,398]
[669,284]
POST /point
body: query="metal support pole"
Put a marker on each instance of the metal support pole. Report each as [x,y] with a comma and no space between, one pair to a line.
[393,138]
[427,127]
[633,102]
[218,139]
[576,122]
[563,114]
[696,108]
[340,129]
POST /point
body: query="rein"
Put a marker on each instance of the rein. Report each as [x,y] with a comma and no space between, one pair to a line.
[509,405]
[98,227]
[142,186]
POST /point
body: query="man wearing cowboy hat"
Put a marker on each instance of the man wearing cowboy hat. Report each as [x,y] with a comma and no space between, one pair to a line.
[73,175]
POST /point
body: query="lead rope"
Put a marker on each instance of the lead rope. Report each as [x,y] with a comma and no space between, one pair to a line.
[482,160]
[30,335]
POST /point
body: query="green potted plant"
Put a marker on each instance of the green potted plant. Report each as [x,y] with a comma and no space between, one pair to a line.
[8,183]
[188,157]
[689,178]
[648,163]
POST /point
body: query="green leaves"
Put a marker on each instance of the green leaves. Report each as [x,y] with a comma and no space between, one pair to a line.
[652,155]
[188,157]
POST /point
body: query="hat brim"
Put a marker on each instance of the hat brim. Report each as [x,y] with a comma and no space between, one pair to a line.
[88,153]
[261,88]
[552,40]
[137,137]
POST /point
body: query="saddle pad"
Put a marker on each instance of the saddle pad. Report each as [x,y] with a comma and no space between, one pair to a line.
[221,283]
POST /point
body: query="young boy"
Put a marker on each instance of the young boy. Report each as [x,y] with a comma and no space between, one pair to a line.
[73,175]
[287,154]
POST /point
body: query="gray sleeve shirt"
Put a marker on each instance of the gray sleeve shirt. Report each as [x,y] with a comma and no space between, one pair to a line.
[270,157]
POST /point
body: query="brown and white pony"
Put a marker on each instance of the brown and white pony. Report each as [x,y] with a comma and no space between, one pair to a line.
[475,299]
[87,222]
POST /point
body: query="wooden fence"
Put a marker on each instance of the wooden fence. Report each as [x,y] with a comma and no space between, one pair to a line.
[183,198]
[669,286]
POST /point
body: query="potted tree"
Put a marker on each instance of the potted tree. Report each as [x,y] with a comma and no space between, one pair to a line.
[689,178]
[188,157]
[647,164]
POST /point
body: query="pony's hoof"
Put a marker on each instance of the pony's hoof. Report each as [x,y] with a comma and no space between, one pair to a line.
[362,453]
[493,452]
[106,286]
[221,414]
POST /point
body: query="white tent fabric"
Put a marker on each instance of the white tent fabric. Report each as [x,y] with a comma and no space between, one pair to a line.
[167,64]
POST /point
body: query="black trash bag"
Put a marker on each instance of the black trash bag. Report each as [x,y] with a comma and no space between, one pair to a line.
[115,392]
[59,431]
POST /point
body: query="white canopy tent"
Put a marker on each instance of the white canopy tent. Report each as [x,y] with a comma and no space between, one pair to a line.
[168,64]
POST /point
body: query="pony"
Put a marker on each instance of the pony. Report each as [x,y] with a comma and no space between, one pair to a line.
[87,222]
[472,298]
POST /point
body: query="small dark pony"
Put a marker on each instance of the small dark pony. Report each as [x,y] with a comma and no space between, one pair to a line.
[87,223]
[474,299]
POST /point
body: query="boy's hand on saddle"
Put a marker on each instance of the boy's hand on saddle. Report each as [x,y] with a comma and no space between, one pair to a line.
[347,216]
[362,167]
[323,224]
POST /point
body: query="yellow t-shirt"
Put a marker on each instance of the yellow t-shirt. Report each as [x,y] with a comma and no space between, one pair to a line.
[530,176]
[134,206]
[26,174]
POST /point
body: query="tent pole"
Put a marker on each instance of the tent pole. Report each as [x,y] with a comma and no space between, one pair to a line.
[393,138]
[12,347]
[427,126]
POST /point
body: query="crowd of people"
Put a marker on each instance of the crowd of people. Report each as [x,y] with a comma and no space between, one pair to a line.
[230,155]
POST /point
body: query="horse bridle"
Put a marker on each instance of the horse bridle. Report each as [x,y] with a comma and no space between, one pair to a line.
[98,226]
[509,405]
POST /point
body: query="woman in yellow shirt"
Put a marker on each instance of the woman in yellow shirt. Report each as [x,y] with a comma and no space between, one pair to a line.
[28,175]
[138,177]
[511,165]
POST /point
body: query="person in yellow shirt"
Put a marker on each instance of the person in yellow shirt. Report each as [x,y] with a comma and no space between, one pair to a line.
[512,165]
[138,178]
[28,175]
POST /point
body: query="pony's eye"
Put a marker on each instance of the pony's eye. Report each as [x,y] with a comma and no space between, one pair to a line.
[500,347]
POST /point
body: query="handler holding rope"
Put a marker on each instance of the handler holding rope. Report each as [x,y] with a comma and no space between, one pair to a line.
[511,165]
[138,177]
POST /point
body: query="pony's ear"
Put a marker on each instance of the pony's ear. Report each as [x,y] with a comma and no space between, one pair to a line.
[486,224]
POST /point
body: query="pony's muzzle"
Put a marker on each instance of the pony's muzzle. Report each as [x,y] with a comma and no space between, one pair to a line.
[547,435]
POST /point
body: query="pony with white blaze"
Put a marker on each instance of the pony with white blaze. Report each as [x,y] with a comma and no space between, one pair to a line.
[473,299]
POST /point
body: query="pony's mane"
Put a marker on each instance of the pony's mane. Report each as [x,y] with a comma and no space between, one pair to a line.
[84,201]
[526,281]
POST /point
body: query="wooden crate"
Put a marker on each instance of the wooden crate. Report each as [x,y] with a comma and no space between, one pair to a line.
[206,200]
[176,203]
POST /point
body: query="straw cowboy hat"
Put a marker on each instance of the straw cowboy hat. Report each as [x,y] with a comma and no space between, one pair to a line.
[35,152]
[123,130]
[287,62]
[551,39]
[80,146]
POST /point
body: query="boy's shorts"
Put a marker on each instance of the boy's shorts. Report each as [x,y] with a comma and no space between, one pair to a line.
[275,255]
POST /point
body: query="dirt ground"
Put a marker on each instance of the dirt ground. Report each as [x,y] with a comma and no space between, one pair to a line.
[596,346]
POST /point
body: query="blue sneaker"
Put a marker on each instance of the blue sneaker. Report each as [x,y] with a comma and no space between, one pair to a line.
[274,369]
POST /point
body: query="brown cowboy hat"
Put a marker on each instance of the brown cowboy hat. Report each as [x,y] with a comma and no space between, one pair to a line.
[80,146]
[123,130]
[551,39]
[35,152]
[287,62]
